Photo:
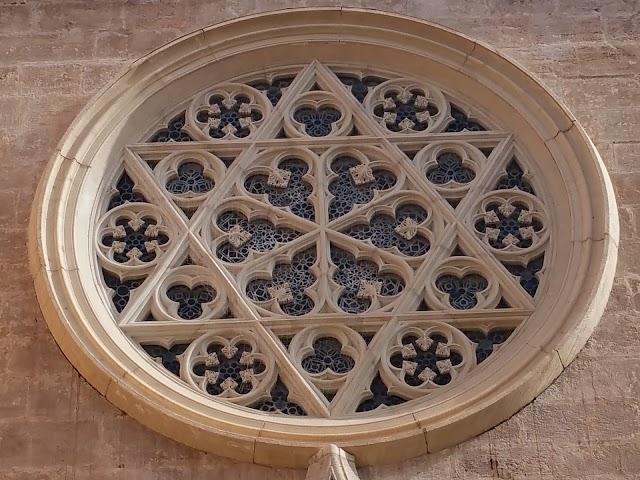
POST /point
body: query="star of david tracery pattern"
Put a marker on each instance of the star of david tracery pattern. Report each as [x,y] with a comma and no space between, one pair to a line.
[348,250]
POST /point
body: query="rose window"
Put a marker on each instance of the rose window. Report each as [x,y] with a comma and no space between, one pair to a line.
[298,235]
[325,251]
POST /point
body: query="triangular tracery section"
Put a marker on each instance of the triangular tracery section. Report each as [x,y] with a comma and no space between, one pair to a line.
[280,402]
[186,177]
[462,121]
[360,85]
[467,280]
[120,290]
[451,166]
[326,354]
[514,177]
[379,396]
[512,222]
[274,88]
[173,132]
[318,109]
[133,237]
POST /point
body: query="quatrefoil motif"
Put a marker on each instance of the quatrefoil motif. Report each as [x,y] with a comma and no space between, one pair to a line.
[135,239]
[229,116]
[287,284]
[294,195]
[347,192]
[361,281]
[190,300]
[327,355]
[243,236]
[426,359]
[317,123]
[508,225]
[401,232]
[229,368]
[463,292]
[406,111]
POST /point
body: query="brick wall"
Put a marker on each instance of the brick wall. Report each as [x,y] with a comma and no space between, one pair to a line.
[54,55]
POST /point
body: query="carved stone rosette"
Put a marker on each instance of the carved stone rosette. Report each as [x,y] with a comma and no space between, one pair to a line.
[228,365]
[132,238]
[426,356]
[512,223]
[405,106]
[231,111]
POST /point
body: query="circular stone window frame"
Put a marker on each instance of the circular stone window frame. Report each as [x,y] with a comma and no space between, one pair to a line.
[585,227]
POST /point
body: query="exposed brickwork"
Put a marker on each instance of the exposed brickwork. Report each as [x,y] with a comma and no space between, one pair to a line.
[55,54]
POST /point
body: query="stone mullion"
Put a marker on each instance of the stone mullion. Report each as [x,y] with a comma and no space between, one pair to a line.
[293,245]
[349,396]
[482,252]
[234,294]
[413,295]
[485,182]
[323,252]
[206,211]
[321,170]
[463,319]
[396,155]
[141,171]
[219,148]
[311,400]
[280,326]
[181,330]
[302,224]
[419,138]
[142,296]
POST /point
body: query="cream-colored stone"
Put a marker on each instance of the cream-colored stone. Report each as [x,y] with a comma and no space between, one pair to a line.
[571,178]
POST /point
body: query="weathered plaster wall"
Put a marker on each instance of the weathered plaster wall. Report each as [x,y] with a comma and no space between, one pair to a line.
[54,55]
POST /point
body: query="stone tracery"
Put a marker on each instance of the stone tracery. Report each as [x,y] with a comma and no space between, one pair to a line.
[370,407]
[325,232]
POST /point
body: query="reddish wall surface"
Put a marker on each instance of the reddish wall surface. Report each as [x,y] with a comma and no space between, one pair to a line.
[54,55]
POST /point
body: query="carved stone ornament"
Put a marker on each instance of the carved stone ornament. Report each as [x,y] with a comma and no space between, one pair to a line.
[323,257]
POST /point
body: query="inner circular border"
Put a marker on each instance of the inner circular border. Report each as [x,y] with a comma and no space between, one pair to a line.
[100,351]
